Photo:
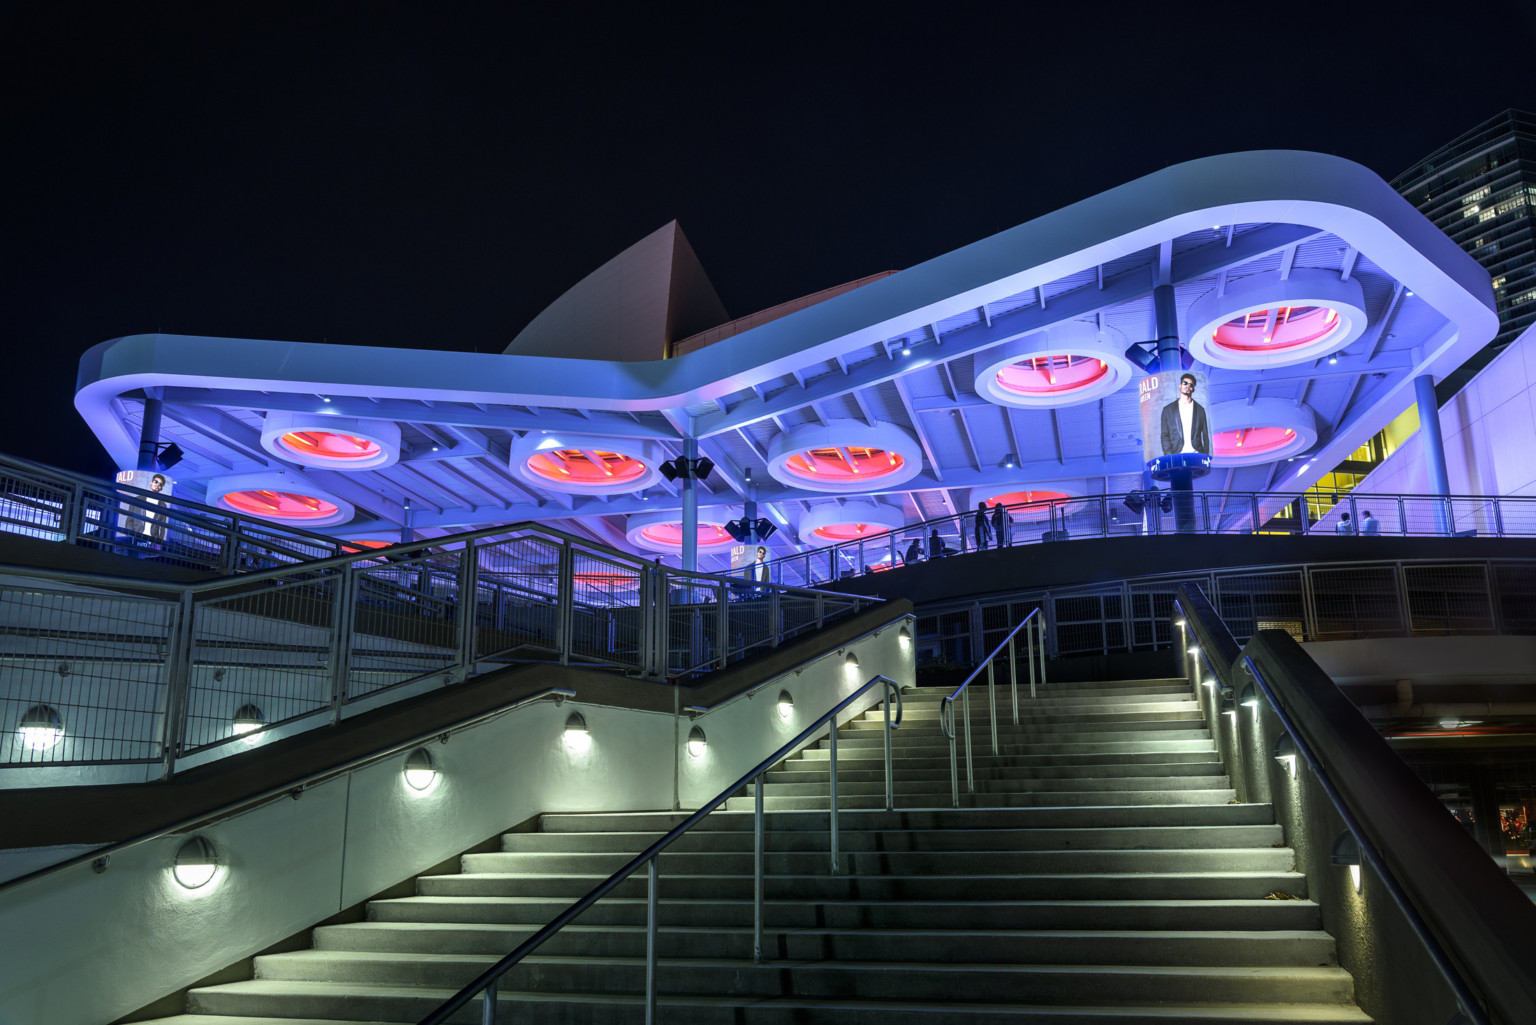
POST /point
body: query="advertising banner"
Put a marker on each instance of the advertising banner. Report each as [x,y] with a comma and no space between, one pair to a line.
[1176,428]
[138,515]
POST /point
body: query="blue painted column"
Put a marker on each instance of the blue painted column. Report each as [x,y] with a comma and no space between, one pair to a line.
[149,434]
[1171,361]
[1434,448]
[690,506]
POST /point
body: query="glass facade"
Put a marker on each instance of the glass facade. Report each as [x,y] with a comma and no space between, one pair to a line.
[1480,189]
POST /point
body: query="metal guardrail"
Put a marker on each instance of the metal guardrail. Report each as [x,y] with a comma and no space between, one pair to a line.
[50,504]
[1198,512]
[947,705]
[1317,601]
[487,981]
[1473,933]
[98,676]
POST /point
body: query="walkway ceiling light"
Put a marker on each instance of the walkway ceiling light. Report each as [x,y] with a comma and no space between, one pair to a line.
[420,770]
[196,863]
[40,728]
[1285,753]
[1346,853]
[697,742]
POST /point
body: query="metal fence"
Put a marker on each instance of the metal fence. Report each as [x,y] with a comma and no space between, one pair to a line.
[1162,512]
[89,675]
[1310,601]
[49,504]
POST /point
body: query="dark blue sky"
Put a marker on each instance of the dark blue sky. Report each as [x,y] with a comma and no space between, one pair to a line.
[434,175]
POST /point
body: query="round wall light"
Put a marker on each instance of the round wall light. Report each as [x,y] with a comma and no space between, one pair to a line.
[904,638]
[280,497]
[1061,366]
[832,523]
[851,667]
[584,464]
[844,456]
[663,531]
[786,705]
[247,722]
[40,728]
[1346,854]
[1264,431]
[697,742]
[1285,754]
[331,442]
[196,863]
[420,769]
[1269,321]
[576,737]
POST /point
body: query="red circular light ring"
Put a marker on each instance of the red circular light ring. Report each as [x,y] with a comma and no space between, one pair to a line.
[1025,497]
[844,463]
[1052,375]
[609,580]
[280,505]
[330,445]
[671,535]
[586,466]
[1249,441]
[1278,329]
[848,531]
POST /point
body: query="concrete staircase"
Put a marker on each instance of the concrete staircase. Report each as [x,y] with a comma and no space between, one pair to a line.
[1101,872]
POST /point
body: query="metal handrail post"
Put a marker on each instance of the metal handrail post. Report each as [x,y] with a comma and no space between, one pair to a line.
[757,871]
[775,618]
[72,517]
[1041,628]
[947,724]
[650,941]
[342,589]
[178,672]
[723,629]
[1498,517]
[1013,679]
[1029,640]
[832,787]
[992,699]
[469,605]
[565,590]
[488,1008]
[970,773]
[890,776]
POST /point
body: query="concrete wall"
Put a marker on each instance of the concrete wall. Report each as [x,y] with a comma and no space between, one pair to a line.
[84,948]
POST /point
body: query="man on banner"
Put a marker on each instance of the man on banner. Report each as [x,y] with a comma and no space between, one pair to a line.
[1184,424]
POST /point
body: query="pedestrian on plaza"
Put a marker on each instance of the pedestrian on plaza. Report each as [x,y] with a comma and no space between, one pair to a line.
[1370,526]
[1002,525]
[983,528]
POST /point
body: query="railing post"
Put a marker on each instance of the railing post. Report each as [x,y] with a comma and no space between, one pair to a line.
[650,942]
[992,698]
[1013,676]
[757,870]
[724,627]
[1498,517]
[488,1008]
[890,777]
[1253,506]
[178,659]
[775,617]
[343,612]
[565,591]
[72,518]
[947,709]
[1042,639]
[970,771]
[832,787]
[1402,520]
[1029,639]
[469,606]
[821,609]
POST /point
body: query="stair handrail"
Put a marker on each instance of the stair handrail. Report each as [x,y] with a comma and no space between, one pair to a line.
[947,705]
[292,788]
[486,981]
[1384,806]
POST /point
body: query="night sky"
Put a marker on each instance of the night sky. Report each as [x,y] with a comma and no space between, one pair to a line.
[432,175]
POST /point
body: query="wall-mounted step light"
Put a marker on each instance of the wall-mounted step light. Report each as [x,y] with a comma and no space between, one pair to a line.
[40,728]
[420,770]
[905,639]
[1346,853]
[697,742]
[577,737]
[786,705]
[247,723]
[1285,753]
[196,863]
[851,667]
[1250,698]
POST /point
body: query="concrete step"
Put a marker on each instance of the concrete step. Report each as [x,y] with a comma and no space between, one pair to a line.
[941,818]
[802,772]
[981,712]
[820,886]
[935,863]
[1084,733]
[1052,799]
[933,785]
[935,914]
[936,743]
[1144,838]
[863,757]
[851,993]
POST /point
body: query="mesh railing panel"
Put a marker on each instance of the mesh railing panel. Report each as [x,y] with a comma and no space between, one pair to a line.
[404,622]
[1250,602]
[1449,599]
[1515,585]
[605,611]
[98,661]
[693,631]
[517,605]
[1355,601]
